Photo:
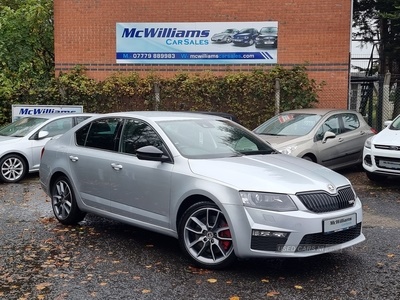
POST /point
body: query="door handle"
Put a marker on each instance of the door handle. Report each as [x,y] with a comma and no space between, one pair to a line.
[116,167]
[340,140]
[73,158]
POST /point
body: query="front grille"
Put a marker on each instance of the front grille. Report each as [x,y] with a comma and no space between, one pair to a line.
[387,147]
[264,243]
[325,240]
[321,201]
[390,162]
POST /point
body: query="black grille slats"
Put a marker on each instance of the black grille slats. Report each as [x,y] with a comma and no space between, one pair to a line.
[322,201]
[325,240]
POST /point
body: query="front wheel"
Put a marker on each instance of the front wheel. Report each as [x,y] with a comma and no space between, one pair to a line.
[204,234]
[375,177]
[13,168]
[64,204]
[308,157]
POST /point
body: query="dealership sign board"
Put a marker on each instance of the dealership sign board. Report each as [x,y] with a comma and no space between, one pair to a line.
[197,43]
[19,111]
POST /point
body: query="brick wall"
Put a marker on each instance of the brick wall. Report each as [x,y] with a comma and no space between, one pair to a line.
[312,32]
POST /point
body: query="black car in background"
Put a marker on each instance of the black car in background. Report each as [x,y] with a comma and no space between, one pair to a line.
[245,37]
[268,38]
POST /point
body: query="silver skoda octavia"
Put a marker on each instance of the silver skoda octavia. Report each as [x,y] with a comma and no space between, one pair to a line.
[205,180]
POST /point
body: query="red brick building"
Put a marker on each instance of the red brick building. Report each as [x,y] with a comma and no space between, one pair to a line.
[316,33]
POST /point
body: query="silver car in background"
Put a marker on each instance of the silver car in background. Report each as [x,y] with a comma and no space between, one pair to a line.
[214,185]
[331,137]
[22,141]
[225,36]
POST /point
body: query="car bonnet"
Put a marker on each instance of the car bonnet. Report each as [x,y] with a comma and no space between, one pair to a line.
[270,173]
[387,137]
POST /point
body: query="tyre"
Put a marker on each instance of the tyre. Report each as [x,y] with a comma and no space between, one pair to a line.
[13,168]
[205,236]
[64,204]
[308,157]
[375,177]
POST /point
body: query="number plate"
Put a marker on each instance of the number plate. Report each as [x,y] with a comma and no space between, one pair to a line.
[340,223]
[389,164]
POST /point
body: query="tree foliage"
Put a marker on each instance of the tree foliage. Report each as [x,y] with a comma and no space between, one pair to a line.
[26,46]
[378,21]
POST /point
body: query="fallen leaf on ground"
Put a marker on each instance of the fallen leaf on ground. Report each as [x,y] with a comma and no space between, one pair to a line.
[298,287]
[272,294]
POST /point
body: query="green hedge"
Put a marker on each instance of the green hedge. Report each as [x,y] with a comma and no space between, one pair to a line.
[250,96]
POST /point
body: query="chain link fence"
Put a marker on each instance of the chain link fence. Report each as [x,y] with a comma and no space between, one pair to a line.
[377,98]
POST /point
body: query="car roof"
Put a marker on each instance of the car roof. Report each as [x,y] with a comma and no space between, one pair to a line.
[318,111]
[59,115]
[164,115]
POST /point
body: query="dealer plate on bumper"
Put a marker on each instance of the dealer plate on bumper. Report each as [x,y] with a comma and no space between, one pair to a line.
[340,223]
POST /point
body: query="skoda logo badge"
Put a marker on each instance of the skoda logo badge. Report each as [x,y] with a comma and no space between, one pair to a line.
[331,188]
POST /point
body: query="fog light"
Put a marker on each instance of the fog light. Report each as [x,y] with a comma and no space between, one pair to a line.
[265,233]
[368,160]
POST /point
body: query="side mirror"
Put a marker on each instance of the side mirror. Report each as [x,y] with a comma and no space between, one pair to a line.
[42,134]
[328,135]
[387,123]
[151,153]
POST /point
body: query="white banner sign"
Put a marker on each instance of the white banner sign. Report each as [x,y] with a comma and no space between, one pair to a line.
[19,111]
[197,43]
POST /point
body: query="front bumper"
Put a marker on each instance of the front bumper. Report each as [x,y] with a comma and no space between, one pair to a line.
[294,234]
[380,161]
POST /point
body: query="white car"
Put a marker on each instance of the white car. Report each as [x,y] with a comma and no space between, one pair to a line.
[214,185]
[22,141]
[381,154]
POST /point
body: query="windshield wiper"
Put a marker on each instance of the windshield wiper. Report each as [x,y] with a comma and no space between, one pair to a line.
[274,134]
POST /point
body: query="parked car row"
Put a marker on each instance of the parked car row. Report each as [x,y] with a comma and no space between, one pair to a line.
[266,37]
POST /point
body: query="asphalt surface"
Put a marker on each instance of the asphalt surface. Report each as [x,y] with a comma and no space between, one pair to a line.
[102,259]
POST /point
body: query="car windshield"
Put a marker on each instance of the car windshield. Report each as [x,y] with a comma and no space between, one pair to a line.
[229,31]
[245,30]
[21,127]
[395,125]
[205,138]
[289,124]
[267,30]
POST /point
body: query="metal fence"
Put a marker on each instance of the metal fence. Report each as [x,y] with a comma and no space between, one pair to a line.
[377,98]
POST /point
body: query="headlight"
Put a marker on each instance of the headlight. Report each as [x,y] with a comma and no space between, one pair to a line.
[268,201]
[367,143]
[289,149]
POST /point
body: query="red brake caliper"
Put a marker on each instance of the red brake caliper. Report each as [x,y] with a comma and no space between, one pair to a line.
[226,234]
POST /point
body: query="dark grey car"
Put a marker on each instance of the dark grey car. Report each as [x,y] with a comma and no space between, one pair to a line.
[268,38]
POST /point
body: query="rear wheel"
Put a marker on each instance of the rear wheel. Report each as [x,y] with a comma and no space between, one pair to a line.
[13,168]
[64,204]
[205,236]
